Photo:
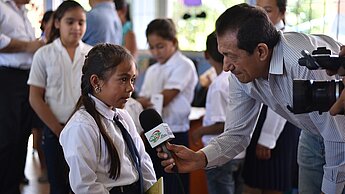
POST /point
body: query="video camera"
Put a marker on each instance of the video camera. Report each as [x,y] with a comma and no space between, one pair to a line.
[311,95]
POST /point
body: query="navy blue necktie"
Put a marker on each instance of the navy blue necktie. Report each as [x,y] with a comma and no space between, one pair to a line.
[133,151]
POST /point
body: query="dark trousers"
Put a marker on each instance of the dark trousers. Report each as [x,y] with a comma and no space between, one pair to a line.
[56,164]
[15,127]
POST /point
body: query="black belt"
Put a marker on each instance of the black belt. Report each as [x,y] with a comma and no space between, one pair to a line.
[14,69]
[132,188]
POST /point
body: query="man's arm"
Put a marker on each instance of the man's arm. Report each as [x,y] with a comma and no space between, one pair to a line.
[16,45]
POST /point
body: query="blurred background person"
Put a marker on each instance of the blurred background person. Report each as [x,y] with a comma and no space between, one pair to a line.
[128,36]
[173,77]
[103,23]
[46,24]
[37,124]
[54,78]
[17,45]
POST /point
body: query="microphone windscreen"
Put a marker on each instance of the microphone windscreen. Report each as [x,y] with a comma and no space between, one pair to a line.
[149,119]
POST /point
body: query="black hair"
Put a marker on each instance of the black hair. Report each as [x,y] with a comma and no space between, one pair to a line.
[46,16]
[122,4]
[58,14]
[281,4]
[102,61]
[251,24]
[164,28]
[212,48]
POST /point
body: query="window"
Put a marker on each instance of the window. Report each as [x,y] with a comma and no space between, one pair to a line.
[192,27]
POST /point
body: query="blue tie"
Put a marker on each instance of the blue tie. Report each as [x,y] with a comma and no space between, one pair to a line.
[133,151]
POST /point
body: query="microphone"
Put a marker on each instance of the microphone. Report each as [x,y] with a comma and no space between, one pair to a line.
[157,133]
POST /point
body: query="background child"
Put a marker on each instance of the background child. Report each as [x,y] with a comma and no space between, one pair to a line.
[54,81]
[225,179]
[94,144]
[174,77]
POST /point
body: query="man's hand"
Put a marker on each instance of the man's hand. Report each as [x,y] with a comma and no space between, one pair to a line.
[341,70]
[262,152]
[186,159]
[34,45]
[22,46]
[339,106]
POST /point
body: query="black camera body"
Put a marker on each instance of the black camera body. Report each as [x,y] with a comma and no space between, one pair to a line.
[311,95]
[321,58]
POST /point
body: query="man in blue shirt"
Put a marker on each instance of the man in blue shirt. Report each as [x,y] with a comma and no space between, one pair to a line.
[103,23]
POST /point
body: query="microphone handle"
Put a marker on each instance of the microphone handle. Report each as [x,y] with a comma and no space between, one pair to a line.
[165,149]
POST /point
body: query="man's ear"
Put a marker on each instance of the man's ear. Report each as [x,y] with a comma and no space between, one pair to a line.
[263,52]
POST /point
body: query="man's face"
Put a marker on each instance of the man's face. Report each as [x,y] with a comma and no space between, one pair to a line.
[246,67]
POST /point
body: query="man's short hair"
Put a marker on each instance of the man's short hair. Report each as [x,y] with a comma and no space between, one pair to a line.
[251,24]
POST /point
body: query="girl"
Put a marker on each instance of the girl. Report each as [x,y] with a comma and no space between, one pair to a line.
[174,77]
[54,80]
[128,36]
[94,144]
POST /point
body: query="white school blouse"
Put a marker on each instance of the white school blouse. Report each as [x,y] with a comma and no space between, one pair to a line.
[177,73]
[87,155]
[53,70]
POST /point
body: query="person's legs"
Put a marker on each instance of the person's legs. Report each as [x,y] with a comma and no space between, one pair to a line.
[224,179]
[311,159]
[15,117]
[56,164]
[37,144]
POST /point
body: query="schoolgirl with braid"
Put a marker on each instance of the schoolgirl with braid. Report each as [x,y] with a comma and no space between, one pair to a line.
[100,136]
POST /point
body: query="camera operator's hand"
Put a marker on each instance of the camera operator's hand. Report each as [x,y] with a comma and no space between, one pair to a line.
[341,70]
[339,106]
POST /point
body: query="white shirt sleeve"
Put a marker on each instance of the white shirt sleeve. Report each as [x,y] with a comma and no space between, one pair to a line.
[239,126]
[177,79]
[38,72]
[80,146]
[271,129]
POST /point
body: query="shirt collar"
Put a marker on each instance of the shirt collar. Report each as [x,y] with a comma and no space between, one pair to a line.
[103,109]
[14,6]
[277,59]
[105,4]
[60,47]
[280,25]
[171,60]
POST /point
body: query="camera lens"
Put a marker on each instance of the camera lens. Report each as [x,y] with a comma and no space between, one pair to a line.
[310,95]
